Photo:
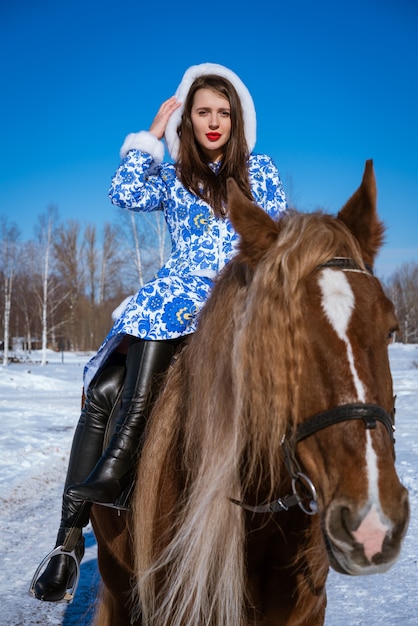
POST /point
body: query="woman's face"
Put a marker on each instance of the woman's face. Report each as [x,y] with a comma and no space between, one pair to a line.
[211,121]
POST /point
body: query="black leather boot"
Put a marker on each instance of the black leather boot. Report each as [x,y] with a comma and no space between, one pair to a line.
[101,398]
[59,579]
[146,362]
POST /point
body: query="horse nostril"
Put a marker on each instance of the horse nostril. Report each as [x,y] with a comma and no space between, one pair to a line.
[341,524]
[346,520]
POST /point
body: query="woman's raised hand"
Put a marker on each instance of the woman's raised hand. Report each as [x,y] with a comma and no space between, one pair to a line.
[160,122]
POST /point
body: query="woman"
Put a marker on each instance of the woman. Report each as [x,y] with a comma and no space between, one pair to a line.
[209,127]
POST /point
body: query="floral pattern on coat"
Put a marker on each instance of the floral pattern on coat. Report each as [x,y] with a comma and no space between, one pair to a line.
[202,243]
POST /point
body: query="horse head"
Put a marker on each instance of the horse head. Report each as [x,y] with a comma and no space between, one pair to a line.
[327,329]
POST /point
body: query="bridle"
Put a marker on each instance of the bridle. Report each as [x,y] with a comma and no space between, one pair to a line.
[303,490]
[347,264]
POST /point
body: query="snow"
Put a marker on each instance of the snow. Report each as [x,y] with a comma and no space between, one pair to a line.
[39,408]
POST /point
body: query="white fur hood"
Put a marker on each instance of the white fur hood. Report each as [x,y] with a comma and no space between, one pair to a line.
[248,109]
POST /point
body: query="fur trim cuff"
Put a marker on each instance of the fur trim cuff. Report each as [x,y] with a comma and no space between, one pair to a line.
[146,142]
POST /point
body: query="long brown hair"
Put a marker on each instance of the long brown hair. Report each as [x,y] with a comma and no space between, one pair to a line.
[192,165]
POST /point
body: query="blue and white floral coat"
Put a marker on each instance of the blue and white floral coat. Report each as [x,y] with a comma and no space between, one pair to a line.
[202,243]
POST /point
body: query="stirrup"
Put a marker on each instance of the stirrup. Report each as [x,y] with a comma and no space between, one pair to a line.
[73,583]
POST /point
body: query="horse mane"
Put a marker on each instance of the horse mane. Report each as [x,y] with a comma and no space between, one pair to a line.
[218,423]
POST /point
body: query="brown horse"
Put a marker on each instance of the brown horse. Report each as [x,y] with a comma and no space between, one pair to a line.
[270,452]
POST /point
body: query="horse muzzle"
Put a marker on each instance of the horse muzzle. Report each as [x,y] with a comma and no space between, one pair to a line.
[366,541]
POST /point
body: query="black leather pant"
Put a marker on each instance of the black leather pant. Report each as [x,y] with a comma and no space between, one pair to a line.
[101,400]
[146,363]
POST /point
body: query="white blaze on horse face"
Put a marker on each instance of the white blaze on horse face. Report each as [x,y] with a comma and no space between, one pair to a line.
[374,526]
[338,304]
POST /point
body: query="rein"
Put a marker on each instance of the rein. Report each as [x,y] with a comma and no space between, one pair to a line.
[303,489]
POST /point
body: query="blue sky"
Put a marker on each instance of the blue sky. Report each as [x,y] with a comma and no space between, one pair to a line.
[334,83]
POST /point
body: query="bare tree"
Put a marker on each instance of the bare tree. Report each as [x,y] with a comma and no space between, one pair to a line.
[91,252]
[47,224]
[68,257]
[10,234]
[28,287]
[402,288]
[112,263]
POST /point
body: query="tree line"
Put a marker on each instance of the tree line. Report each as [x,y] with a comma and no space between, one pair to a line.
[59,289]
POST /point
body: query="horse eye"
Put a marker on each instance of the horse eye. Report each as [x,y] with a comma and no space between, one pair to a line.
[391,334]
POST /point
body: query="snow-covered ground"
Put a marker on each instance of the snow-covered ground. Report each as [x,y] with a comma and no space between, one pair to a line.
[39,408]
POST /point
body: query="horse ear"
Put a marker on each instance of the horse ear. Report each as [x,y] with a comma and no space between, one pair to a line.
[257,230]
[359,214]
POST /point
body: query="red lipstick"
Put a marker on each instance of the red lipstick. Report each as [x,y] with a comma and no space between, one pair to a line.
[213,136]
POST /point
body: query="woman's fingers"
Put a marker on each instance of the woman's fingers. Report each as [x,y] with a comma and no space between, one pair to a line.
[165,111]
